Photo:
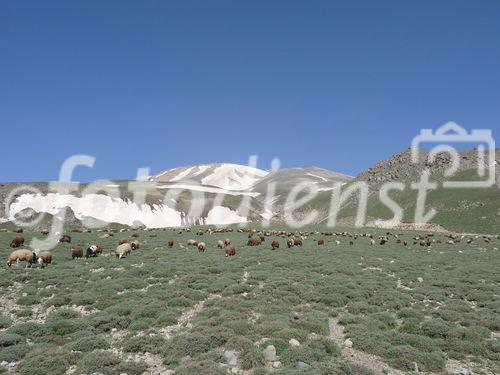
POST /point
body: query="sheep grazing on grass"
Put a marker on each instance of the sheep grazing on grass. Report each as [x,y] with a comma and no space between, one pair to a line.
[220,244]
[192,243]
[227,242]
[65,238]
[201,246]
[290,242]
[321,242]
[275,245]
[135,245]
[297,242]
[255,241]
[17,241]
[170,243]
[122,241]
[91,251]
[22,255]
[44,232]
[123,250]
[44,258]
[230,251]
[76,252]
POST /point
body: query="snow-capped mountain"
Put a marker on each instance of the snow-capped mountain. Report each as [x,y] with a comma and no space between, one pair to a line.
[174,192]
[224,176]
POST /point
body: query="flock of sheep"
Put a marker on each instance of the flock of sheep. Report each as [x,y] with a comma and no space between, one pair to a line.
[255,238]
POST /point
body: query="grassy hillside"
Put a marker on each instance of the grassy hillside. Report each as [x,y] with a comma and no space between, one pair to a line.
[175,308]
[462,210]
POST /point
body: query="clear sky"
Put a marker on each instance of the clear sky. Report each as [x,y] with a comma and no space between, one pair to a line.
[335,84]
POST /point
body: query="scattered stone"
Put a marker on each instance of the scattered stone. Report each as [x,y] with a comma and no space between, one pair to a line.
[348,343]
[301,365]
[231,357]
[270,353]
[276,364]
[415,367]
[420,279]
[294,343]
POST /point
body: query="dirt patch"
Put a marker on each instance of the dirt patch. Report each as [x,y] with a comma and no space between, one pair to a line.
[358,358]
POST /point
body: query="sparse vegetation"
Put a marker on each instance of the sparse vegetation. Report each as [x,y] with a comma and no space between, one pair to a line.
[407,304]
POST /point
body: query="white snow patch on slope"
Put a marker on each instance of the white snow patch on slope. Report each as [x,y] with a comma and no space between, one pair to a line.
[207,189]
[101,207]
[234,177]
[314,175]
[182,174]
[222,215]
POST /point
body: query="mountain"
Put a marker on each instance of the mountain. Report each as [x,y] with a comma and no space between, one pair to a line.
[224,193]
[231,194]
[221,175]
[466,210]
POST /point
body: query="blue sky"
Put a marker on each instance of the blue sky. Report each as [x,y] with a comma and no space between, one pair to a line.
[339,85]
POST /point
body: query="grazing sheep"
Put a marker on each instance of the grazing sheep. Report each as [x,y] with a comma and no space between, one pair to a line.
[123,250]
[290,242]
[255,241]
[372,241]
[18,241]
[201,246]
[220,244]
[44,232]
[135,245]
[192,243]
[230,251]
[227,242]
[122,241]
[22,255]
[76,252]
[297,242]
[100,249]
[91,251]
[170,243]
[275,245]
[65,238]
[321,242]
[44,258]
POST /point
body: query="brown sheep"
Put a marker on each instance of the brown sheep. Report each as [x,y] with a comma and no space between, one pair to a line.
[100,249]
[275,245]
[290,242]
[122,241]
[255,241]
[18,241]
[321,242]
[76,252]
[170,243]
[22,255]
[201,246]
[230,251]
[297,242]
[44,258]
[65,238]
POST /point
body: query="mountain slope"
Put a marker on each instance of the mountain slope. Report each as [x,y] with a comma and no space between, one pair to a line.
[471,210]
[222,175]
